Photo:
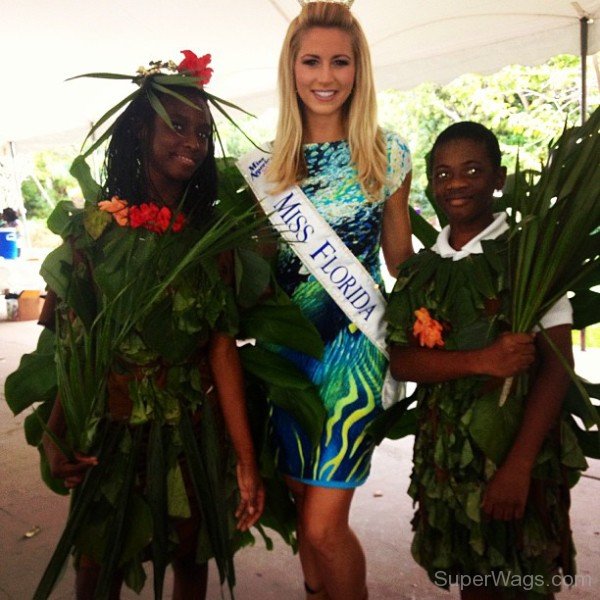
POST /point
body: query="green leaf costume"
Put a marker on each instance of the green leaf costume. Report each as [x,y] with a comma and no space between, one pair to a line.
[135,313]
[463,435]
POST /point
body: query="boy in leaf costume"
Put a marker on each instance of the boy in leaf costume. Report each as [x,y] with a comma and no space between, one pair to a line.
[145,322]
[491,483]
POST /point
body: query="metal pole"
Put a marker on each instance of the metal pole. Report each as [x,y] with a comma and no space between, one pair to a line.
[583,36]
[18,196]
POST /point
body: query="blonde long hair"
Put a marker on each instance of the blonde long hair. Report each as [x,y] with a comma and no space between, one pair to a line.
[367,146]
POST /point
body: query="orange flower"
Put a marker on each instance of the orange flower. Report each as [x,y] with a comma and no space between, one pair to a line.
[427,330]
[117,208]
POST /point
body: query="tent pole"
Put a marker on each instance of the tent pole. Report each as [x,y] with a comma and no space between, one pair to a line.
[583,35]
[17,195]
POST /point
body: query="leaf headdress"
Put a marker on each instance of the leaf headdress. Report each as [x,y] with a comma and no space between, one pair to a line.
[161,78]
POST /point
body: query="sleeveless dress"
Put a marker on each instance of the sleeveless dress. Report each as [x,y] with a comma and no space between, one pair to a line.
[349,376]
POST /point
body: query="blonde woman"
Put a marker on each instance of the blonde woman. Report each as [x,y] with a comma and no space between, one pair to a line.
[358,179]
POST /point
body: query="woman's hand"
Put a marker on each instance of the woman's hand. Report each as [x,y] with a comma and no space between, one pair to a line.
[510,354]
[506,494]
[252,496]
[71,472]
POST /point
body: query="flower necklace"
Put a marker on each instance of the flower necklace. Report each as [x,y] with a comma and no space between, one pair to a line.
[150,216]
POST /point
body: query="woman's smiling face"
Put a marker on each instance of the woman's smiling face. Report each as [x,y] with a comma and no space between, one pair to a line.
[324,71]
[464,181]
[176,153]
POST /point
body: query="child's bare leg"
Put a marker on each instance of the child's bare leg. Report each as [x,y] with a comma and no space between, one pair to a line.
[86,580]
[190,579]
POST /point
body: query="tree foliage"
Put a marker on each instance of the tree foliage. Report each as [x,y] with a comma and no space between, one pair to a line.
[527,107]
[50,173]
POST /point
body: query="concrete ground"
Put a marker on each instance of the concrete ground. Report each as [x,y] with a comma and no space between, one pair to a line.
[380,515]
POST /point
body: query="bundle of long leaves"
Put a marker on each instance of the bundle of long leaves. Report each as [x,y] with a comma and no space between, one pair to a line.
[554,246]
[555,224]
[130,297]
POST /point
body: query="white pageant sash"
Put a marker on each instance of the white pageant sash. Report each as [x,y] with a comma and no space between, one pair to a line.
[320,249]
[325,255]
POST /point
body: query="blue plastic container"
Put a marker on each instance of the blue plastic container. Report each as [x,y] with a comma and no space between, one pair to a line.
[8,243]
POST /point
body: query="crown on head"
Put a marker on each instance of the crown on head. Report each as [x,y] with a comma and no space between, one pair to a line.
[347,3]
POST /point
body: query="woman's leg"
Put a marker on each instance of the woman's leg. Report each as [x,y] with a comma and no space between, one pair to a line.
[313,582]
[189,579]
[86,579]
[331,555]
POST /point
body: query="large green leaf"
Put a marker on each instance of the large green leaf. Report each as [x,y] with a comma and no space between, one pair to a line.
[577,405]
[57,268]
[280,512]
[394,423]
[483,277]
[284,325]
[305,406]
[288,388]
[34,423]
[493,427]
[425,232]
[59,220]
[55,484]
[589,441]
[272,368]
[160,334]
[81,295]
[35,379]
[82,173]
[586,308]
[253,274]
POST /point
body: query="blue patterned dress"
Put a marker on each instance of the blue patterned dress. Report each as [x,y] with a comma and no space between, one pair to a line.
[350,374]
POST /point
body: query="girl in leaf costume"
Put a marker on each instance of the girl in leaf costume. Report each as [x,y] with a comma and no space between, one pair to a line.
[491,483]
[145,328]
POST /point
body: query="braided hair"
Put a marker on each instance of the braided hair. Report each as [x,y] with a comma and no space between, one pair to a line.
[126,162]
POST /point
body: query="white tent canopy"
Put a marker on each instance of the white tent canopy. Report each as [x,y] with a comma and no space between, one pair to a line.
[43,43]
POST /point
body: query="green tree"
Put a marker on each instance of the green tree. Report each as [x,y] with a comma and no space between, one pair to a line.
[526,107]
[50,173]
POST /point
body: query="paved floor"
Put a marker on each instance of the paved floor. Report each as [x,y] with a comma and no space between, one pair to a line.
[380,515]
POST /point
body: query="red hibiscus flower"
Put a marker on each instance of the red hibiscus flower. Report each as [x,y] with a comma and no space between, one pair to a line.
[197,66]
[162,220]
[154,218]
[142,215]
